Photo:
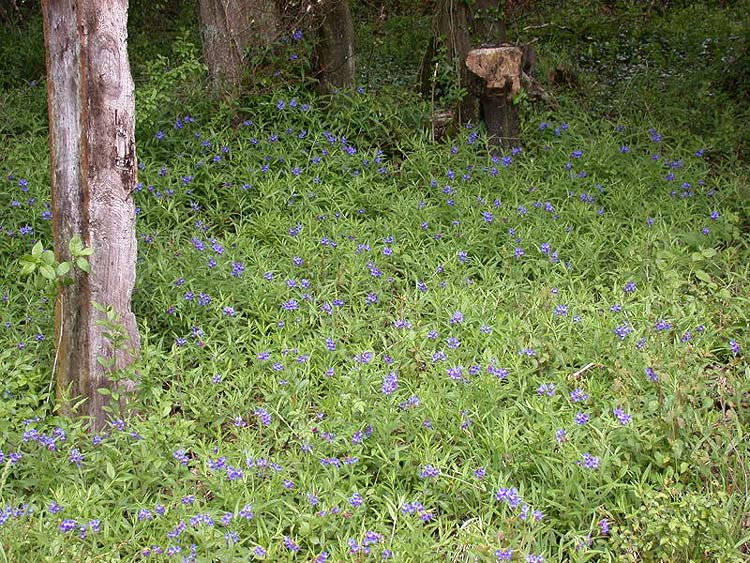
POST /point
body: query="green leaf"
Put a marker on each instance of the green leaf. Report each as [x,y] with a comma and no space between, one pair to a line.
[36,252]
[103,390]
[83,264]
[75,245]
[107,363]
[110,470]
[28,268]
[664,255]
[48,257]
[47,271]
[86,252]
[703,276]
[709,252]
[63,268]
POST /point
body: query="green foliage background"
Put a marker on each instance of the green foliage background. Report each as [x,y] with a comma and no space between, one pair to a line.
[352,185]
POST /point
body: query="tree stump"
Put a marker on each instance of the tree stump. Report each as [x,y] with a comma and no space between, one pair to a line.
[500,71]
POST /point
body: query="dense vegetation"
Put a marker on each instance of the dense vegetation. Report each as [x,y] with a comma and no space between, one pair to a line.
[359,343]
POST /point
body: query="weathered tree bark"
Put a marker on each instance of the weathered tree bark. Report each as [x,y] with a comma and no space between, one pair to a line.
[459,27]
[228,29]
[93,175]
[500,70]
[335,49]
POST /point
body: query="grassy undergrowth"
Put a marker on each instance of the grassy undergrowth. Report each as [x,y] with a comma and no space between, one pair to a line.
[361,345]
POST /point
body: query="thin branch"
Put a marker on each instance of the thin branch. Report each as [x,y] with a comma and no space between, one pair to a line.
[543,25]
[584,369]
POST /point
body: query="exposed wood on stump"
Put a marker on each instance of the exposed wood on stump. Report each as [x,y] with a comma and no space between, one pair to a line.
[228,29]
[500,70]
[93,175]
[335,49]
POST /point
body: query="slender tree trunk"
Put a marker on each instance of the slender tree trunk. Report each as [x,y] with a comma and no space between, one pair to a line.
[451,38]
[228,29]
[335,52]
[458,26]
[93,175]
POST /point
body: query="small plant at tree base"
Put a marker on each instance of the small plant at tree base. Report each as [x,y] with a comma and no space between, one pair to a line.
[52,271]
[115,332]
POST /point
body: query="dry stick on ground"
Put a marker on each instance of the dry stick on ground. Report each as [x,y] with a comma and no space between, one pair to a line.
[584,369]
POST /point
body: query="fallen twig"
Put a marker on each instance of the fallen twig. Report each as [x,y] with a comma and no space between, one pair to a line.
[543,25]
[584,369]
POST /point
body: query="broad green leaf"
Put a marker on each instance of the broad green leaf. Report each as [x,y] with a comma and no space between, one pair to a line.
[63,268]
[75,245]
[36,252]
[28,268]
[703,276]
[47,271]
[28,259]
[83,264]
[48,257]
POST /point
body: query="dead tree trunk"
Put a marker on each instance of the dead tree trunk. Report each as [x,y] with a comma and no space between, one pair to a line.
[92,176]
[228,29]
[335,49]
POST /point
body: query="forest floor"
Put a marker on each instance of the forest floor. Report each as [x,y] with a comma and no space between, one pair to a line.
[358,343]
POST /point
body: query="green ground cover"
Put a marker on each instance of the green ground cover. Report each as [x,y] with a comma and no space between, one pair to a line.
[359,344]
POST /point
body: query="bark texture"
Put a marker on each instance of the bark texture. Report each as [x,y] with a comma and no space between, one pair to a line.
[93,175]
[228,29]
[335,50]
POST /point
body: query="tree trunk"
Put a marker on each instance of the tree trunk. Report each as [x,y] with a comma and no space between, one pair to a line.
[458,26]
[93,176]
[488,22]
[452,40]
[228,29]
[335,50]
